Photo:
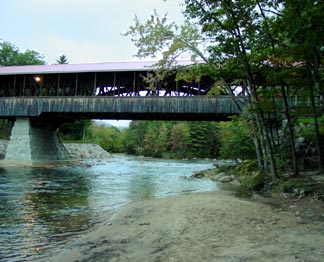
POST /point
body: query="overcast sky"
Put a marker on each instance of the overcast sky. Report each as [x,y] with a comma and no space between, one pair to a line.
[83,30]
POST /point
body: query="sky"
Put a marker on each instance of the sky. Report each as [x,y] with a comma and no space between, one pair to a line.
[85,31]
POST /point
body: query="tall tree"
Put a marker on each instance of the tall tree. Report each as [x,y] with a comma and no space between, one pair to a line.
[301,28]
[236,29]
[180,139]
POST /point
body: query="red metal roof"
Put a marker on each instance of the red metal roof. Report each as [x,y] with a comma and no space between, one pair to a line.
[83,68]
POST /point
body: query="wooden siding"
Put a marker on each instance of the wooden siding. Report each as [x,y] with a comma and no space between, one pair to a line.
[195,107]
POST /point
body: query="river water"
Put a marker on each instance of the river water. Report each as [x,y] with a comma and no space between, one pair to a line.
[43,208]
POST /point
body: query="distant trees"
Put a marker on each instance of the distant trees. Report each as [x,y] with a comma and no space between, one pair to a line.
[168,139]
[172,139]
[62,60]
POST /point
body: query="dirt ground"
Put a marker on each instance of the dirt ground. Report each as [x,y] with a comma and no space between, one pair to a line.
[204,227]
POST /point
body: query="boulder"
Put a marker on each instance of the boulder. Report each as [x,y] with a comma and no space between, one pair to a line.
[226,179]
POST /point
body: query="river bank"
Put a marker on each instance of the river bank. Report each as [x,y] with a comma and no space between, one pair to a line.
[201,227]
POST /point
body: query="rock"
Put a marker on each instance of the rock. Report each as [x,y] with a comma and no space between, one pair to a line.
[3,148]
[221,174]
[86,151]
[77,151]
[226,179]
[198,175]
[222,177]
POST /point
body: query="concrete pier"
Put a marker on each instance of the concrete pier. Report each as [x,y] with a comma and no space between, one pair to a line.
[33,142]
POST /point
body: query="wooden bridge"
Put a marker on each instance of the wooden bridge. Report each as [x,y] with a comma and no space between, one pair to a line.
[43,97]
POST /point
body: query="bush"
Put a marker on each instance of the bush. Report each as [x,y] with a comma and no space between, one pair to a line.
[254,181]
[247,167]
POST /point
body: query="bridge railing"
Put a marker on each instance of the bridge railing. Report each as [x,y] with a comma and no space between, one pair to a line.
[148,105]
[125,106]
[300,101]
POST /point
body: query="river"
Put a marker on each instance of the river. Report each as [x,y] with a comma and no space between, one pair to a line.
[43,208]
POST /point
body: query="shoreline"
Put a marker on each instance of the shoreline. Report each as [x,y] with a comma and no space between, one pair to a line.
[212,226]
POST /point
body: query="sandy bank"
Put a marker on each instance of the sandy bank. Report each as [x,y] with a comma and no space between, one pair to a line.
[200,227]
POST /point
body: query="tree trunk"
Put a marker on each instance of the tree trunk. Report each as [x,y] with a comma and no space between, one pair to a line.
[290,131]
[258,153]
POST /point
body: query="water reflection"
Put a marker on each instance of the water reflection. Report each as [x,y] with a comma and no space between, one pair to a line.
[37,206]
[142,186]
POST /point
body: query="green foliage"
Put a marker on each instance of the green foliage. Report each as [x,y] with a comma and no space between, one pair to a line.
[157,36]
[10,56]
[305,128]
[254,181]
[289,185]
[202,144]
[74,131]
[180,139]
[62,60]
[247,167]
[171,139]
[5,129]
[108,137]
[236,140]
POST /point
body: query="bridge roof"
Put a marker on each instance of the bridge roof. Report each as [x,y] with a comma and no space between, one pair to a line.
[83,68]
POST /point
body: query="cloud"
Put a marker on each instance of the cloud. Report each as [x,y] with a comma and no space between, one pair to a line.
[85,51]
[83,30]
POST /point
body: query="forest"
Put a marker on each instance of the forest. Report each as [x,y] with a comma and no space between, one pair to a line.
[271,52]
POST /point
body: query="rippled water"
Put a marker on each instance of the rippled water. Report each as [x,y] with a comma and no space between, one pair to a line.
[41,209]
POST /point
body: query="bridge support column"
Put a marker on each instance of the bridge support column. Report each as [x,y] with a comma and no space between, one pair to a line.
[33,142]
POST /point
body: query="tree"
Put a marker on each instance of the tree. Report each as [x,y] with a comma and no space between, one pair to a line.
[204,137]
[11,56]
[180,139]
[300,27]
[163,139]
[236,140]
[151,147]
[74,131]
[108,137]
[62,60]
[236,27]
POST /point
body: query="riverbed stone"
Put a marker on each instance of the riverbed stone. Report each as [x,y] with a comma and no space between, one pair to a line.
[77,151]
[226,179]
